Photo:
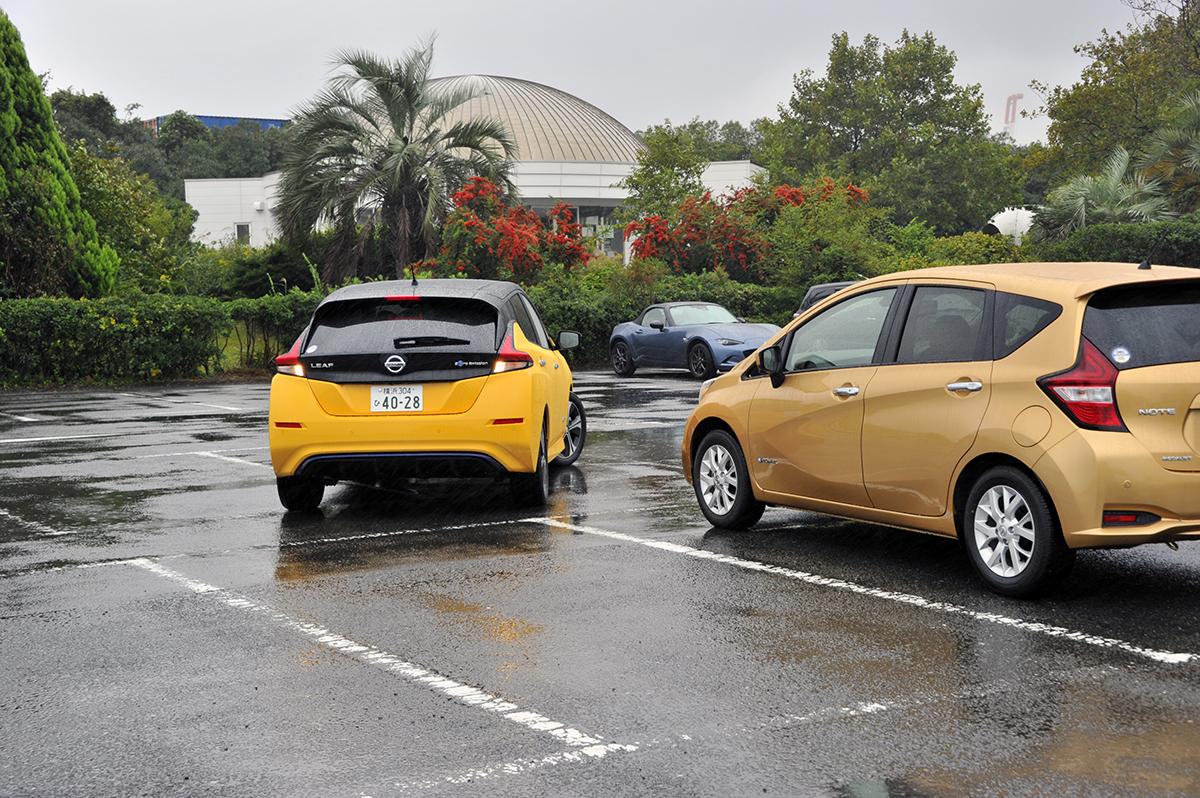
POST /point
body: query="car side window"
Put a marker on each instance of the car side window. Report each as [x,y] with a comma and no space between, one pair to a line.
[654,314]
[1018,319]
[844,335]
[539,331]
[943,325]
[521,316]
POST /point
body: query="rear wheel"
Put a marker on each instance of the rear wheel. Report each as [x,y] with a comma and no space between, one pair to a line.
[533,490]
[622,359]
[722,483]
[1012,536]
[576,434]
[299,494]
[700,362]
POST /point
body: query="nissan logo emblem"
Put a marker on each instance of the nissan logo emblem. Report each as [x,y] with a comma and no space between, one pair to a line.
[394,364]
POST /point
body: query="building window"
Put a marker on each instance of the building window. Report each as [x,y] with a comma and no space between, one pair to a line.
[242,232]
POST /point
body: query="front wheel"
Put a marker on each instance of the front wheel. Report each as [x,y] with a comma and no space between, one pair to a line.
[1011,534]
[533,490]
[576,434]
[722,483]
[622,359]
[700,362]
[299,494]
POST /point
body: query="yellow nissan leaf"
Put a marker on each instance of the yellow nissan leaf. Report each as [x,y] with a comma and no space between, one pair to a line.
[445,378]
[1028,409]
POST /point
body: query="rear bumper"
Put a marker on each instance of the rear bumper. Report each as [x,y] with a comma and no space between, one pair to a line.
[327,445]
[1089,472]
[375,465]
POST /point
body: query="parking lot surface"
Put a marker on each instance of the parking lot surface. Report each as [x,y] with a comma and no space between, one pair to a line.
[166,628]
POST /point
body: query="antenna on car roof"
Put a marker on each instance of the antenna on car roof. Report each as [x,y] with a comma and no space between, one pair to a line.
[413,268]
[1145,264]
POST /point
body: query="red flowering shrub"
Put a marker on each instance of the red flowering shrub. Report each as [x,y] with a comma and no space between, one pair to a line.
[486,238]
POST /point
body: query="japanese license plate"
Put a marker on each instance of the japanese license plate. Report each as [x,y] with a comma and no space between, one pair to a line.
[397,398]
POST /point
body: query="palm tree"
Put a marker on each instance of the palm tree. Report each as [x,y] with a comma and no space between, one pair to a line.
[1172,154]
[1115,195]
[374,153]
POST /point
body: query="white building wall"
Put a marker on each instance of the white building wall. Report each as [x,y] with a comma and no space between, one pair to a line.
[223,203]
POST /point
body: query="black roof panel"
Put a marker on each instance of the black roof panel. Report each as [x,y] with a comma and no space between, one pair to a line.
[491,291]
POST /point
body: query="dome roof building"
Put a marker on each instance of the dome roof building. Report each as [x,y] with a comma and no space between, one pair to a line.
[568,150]
[547,124]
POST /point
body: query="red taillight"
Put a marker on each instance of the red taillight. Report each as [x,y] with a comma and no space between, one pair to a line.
[289,424]
[402,298]
[509,358]
[289,362]
[1129,518]
[1087,392]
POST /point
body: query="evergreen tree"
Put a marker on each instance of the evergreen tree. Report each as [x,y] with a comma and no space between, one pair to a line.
[48,242]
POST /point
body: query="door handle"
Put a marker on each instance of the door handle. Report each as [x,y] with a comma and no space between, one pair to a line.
[970,386]
[846,390]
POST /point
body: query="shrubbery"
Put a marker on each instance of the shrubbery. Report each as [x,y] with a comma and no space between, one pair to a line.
[1174,243]
[57,340]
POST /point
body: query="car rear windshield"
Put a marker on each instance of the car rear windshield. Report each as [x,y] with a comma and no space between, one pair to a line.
[1146,325]
[687,315]
[379,325]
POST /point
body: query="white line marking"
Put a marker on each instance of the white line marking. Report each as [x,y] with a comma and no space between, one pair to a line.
[36,526]
[200,451]
[1168,657]
[517,766]
[19,418]
[238,460]
[64,437]
[221,407]
[169,400]
[465,694]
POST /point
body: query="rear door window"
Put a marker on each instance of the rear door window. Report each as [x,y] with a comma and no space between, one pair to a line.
[1018,319]
[1146,325]
[538,333]
[944,325]
[377,325]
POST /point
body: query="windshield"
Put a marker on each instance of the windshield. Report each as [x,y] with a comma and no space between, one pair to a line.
[376,325]
[687,315]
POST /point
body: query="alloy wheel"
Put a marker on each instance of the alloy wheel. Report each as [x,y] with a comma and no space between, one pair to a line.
[1004,531]
[574,430]
[718,479]
[699,361]
[620,358]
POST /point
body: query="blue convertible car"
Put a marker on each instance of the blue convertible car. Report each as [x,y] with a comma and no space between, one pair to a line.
[699,336]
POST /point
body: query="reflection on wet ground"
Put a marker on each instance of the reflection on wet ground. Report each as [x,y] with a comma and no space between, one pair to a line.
[164,626]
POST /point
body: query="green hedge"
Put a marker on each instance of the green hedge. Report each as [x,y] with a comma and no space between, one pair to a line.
[1175,243]
[53,340]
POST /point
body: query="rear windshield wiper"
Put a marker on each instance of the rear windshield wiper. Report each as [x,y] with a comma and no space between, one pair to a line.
[427,340]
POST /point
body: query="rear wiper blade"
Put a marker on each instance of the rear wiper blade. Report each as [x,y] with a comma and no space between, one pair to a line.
[427,340]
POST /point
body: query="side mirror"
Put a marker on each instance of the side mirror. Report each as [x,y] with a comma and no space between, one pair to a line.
[770,362]
[657,325]
[568,339]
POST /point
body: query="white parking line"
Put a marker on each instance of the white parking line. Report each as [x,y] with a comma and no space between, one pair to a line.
[168,400]
[36,525]
[63,437]
[19,418]
[465,694]
[238,460]
[200,451]
[517,766]
[1168,657]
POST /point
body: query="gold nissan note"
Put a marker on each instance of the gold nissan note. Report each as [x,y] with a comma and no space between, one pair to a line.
[1029,409]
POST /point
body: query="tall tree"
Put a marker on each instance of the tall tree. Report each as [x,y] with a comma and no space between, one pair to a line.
[1128,87]
[375,151]
[886,110]
[668,170]
[48,242]
[1172,154]
[713,140]
[1117,194]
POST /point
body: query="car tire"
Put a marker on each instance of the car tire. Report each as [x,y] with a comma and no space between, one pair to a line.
[576,435]
[701,363]
[533,490]
[722,483]
[1011,534]
[621,359]
[299,494]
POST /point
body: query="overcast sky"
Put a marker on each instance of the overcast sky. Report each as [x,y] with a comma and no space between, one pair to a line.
[639,61]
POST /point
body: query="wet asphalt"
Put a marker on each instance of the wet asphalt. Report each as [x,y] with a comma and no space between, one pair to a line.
[165,628]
